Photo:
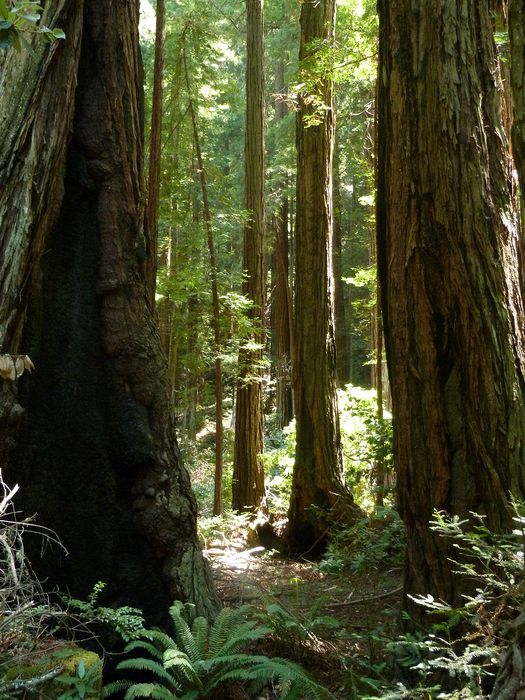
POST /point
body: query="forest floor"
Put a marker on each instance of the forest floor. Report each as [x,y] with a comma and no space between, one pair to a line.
[333,624]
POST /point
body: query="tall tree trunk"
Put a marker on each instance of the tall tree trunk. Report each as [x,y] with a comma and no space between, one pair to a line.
[342,327]
[248,475]
[281,319]
[318,470]
[281,306]
[448,266]
[96,454]
[219,433]
[517,72]
[152,204]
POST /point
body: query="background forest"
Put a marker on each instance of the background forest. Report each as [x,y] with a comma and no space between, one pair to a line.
[204,68]
[262,349]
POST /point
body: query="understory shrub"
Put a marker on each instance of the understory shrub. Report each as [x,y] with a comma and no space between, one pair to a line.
[459,657]
[368,544]
[203,659]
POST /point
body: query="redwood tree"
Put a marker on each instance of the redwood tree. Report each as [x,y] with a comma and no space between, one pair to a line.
[95,453]
[248,475]
[281,302]
[318,472]
[517,71]
[448,266]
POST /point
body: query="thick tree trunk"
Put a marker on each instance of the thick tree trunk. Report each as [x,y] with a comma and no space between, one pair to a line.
[318,470]
[248,474]
[96,454]
[448,266]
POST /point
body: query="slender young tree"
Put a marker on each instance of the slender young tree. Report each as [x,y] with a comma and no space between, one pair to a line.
[517,71]
[248,475]
[318,471]
[152,205]
[96,454]
[448,265]
[219,432]
[281,302]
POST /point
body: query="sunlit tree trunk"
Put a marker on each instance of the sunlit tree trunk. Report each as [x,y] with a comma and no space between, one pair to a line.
[448,266]
[96,454]
[318,470]
[219,433]
[248,475]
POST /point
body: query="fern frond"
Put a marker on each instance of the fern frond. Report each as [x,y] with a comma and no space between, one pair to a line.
[293,681]
[200,630]
[149,690]
[222,629]
[185,639]
[145,645]
[242,635]
[115,687]
[179,662]
[162,640]
[154,667]
[259,671]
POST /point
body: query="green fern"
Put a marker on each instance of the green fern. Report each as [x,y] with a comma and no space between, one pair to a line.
[200,630]
[149,690]
[202,659]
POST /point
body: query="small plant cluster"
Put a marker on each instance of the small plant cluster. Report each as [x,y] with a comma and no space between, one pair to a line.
[203,660]
[459,658]
[128,622]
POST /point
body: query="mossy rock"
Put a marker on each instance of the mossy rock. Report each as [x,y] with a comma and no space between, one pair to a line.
[82,671]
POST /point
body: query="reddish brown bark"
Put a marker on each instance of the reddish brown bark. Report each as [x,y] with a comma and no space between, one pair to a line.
[96,455]
[448,264]
[248,474]
[318,471]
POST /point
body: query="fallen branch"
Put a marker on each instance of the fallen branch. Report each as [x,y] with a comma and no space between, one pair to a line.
[387,594]
[29,683]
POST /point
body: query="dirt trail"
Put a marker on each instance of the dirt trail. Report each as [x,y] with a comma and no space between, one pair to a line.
[361,604]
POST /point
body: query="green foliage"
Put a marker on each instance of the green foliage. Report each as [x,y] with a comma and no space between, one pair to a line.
[278,466]
[366,545]
[127,621]
[204,657]
[84,683]
[225,528]
[22,18]
[458,657]
[298,630]
[366,440]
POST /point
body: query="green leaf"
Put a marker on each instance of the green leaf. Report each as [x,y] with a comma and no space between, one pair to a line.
[81,669]
[64,653]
